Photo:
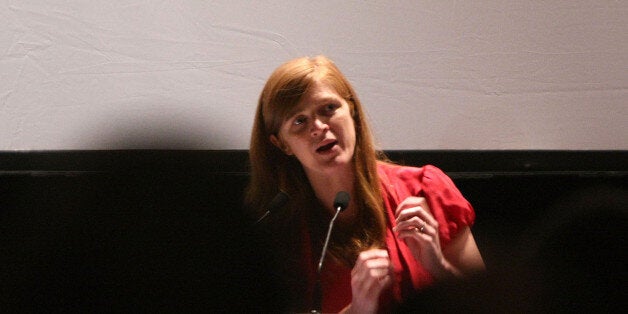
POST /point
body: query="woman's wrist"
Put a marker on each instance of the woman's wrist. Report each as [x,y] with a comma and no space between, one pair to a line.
[355,308]
[447,271]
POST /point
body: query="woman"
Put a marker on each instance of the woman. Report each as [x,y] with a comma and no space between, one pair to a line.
[404,227]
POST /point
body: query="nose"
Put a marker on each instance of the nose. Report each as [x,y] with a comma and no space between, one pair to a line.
[318,127]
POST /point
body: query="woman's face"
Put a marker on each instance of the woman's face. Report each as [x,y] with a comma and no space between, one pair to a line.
[319,132]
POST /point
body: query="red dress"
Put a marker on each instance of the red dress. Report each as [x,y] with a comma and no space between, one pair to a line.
[449,208]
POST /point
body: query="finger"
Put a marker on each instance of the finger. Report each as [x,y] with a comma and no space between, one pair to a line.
[409,212]
[379,262]
[408,202]
[421,210]
[424,229]
[371,254]
[378,273]
[426,215]
[371,258]
[417,223]
[411,223]
[370,279]
[412,201]
[423,218]
[415,234]
[379,277]
[375,268]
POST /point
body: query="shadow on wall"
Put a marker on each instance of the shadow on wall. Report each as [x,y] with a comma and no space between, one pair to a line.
[163,133]
[141,236]
[570,261]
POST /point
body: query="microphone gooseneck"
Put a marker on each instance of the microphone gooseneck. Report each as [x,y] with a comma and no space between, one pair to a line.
[277,202]
[341,201]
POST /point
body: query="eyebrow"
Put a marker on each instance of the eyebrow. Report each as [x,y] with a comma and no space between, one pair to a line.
[327,99]
[300,107]
[292,112]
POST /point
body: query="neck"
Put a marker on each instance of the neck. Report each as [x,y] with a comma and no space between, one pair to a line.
[326,186]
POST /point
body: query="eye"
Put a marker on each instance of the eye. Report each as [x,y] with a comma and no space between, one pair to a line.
[298,120]
[330,108]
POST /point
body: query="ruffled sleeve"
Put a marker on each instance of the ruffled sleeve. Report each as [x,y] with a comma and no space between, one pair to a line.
[452,211]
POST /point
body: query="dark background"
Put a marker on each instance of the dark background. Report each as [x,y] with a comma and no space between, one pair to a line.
[164,230]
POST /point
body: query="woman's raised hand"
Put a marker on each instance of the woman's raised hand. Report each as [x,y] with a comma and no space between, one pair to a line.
[416,225]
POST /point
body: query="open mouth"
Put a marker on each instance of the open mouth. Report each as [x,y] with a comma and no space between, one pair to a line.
[327,147]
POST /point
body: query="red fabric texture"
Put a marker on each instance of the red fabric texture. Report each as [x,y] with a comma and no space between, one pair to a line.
[449,208]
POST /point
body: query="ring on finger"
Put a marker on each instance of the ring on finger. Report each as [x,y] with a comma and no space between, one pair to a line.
[422,228]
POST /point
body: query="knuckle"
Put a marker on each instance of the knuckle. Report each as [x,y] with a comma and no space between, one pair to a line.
[374,273]
[409,201]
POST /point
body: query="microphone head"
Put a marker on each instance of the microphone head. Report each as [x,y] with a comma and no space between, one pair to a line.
[342,200]
[278,201]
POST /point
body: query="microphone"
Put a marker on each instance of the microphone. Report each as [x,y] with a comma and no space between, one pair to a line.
[341,201]
[277,202]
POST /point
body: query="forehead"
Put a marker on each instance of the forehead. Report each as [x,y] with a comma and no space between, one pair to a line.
[317,93]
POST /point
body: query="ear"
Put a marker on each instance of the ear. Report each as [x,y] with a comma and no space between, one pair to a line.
[277,142]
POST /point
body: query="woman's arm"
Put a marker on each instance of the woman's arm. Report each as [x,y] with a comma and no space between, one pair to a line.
[463,253]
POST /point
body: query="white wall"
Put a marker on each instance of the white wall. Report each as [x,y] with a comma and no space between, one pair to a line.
[433,74]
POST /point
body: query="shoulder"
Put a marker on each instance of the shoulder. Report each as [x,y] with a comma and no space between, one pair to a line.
[435,177]
[394,170]
[428,174]
[412,181]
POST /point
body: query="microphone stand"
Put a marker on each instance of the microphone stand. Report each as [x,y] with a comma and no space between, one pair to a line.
[277,202]
[318,290]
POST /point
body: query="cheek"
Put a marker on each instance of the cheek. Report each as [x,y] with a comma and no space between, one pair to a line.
[349,131]
[294,143]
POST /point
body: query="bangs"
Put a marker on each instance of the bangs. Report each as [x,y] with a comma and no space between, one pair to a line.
[290,82]
[286,98]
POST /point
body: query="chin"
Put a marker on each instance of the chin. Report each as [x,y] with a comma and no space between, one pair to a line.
[342,160]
